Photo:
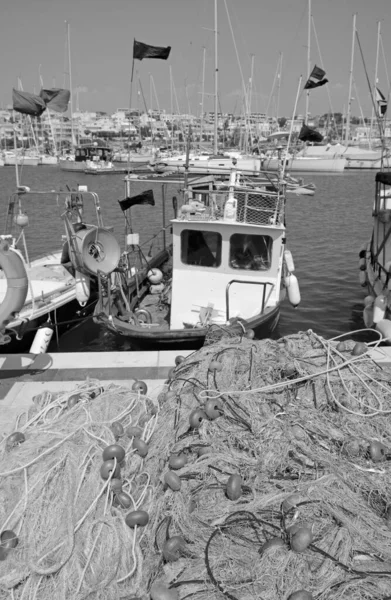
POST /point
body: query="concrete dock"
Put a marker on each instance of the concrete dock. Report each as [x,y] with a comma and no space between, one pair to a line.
[23,376]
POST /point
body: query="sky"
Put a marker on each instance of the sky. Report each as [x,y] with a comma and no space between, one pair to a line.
[33,45]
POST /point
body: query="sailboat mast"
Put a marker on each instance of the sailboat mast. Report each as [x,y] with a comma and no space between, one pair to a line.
[375,84]
[202,93]
[350,83]
[215,141]
[307,98]
[279,87]
[70,77]
[172,111]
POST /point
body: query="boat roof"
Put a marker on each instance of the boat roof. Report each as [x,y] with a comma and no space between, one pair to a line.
[384,177]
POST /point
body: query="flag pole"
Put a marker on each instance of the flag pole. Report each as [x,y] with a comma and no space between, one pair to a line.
[130,106]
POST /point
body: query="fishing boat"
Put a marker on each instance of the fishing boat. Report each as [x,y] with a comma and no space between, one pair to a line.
[227,267]
[375,261]
[85,156]
[51,293]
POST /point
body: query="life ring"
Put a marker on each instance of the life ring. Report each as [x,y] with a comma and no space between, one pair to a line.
[17,283]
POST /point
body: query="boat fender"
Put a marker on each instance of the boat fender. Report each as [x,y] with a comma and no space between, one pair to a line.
[363,278]
[379,308]
[82,286]
[387,266]
[292,285]
[290,265]
[362,264]
[384,328]
[12,264]
[368,316]
[230,209]
[143,315]
[157,288]
[369,300]
[155,276]
[42,340]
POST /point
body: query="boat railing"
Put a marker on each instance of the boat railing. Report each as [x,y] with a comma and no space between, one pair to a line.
[264,284]
[252,207]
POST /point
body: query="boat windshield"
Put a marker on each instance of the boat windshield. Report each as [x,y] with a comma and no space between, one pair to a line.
[201,248]
[250,252]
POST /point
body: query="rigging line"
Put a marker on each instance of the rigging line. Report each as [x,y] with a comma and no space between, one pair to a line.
[237,55]
[385,64]
[379,123]
[322,63]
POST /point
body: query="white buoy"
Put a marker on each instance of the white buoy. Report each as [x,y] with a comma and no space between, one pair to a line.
[368,316]
[363,278]
[155,276]
[157,288]
[290,265]
[369,300]
[41,340]
[362,264]
[379,308]
[292,286]
[82,288]
[384,328]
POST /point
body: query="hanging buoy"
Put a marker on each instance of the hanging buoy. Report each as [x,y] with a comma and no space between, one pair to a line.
[21,219]
[368,316]
[155,276]
[363,278]
[290,265]
[362,264]
[82,288]
[379,308]
[157,288]
[292,286]
[384,328]
[369,300]
[42,339]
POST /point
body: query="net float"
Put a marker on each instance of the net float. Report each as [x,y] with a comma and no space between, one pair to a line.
[117,429]
[109,467]
[8,539]
[172,480]
[140,387]
[173,547]
[177,461]
[137,517]
[234,487]
[196,418]
[123,500]
[141,447]
[301,539]
[213,408]
[134,431]
[113,451]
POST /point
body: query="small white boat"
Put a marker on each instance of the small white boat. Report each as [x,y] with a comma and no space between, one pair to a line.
[51,293]
[228,267]
[48,159]
[83,157]
[21,158]
[306,164]
[208,164]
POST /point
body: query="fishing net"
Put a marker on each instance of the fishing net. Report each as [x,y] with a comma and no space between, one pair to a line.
[267,473]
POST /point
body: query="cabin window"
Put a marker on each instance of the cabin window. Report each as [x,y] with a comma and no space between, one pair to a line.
[250,252]
[201,248]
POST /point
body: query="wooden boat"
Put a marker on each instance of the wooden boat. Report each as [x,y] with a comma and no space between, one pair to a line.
[52,293]
[227,268]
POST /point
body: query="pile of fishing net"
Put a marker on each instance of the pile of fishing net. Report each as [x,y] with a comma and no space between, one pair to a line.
[282,453]
[63,506]
[262,471]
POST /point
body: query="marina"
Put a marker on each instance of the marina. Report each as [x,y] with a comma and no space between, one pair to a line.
[195,302]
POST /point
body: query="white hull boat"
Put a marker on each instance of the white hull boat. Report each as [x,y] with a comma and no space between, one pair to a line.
[306,164]
[11,159]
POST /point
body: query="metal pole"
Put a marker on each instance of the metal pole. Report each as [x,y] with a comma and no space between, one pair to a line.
[70,78]
[307,100]
[215,141]
[202,94]
[164,214]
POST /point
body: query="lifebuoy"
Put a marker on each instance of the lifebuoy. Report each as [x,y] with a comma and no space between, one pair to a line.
[17,283]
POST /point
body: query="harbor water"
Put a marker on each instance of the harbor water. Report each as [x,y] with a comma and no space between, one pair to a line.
[324,233]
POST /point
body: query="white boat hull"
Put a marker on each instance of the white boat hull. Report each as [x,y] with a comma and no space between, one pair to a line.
[48,160]
[12,160]
[305,164]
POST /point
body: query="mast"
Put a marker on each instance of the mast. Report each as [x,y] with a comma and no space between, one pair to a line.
[202,93]
[215,140]
[375,83]
[70,78]
[307,99]
[172,111]
[279,88]
[350,83]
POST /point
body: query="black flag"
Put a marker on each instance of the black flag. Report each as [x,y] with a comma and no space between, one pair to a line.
[309,135]
[143,198]
[141,51]
[316,79]
[381,103]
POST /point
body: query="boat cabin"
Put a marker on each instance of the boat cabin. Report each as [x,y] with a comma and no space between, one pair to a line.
[227,256]
[92,152]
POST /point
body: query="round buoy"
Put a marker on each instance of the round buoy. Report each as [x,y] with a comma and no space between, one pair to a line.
[155,276]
